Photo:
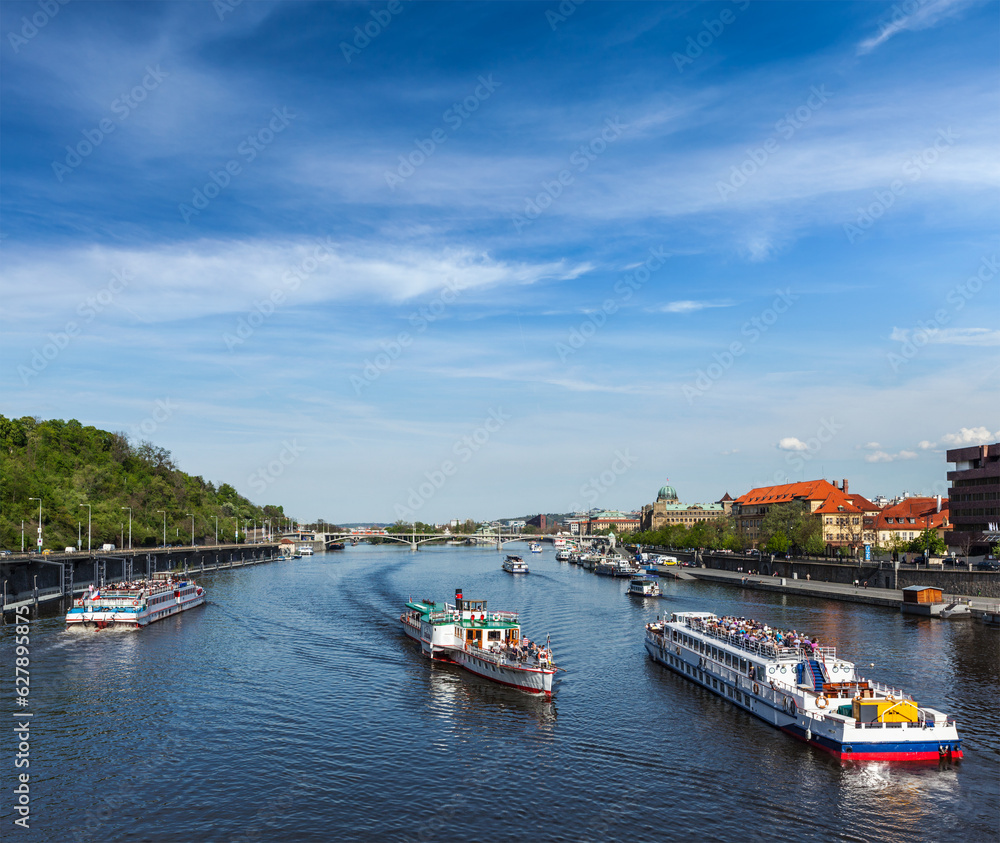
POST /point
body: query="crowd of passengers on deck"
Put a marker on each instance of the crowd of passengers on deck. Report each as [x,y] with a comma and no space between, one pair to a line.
[521,650]
[747,631]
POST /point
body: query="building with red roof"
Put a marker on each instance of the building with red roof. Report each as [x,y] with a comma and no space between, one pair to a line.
[847,520]
[907,519]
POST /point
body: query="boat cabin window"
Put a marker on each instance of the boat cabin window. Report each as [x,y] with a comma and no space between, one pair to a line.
[493,635]
[474,635]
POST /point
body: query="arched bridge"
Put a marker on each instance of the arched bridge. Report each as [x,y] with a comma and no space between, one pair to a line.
[414,540]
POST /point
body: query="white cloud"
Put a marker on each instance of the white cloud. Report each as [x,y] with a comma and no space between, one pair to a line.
[791,443]
[928,14]
[882,456]
[925,445]
[186,280]
[688,306]
[971,436]
[871,446]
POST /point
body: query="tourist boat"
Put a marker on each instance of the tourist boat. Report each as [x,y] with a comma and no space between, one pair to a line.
[515,565]
[559,542]
[563,555]
[536,547]
[644,587]
[802,689]
[135,604]
[336,546]
[488,644]
[306,550]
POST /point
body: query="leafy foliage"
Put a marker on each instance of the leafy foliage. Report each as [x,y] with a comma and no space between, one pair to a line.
[67,464]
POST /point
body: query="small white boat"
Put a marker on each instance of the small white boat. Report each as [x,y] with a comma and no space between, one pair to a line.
[306,550]
[536,547]
[562,555]
[644,587]
[515,565]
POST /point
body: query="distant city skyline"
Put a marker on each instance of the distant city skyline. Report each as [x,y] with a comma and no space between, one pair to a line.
[386,260]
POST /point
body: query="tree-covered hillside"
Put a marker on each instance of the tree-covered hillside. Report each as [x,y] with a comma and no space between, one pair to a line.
[67,464]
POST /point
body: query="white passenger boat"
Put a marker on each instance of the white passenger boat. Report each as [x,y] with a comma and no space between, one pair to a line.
[306,550]
[562,555]
[801,688]
[488,644]
[515,565]
[135,604]
[644,587]
[536,547]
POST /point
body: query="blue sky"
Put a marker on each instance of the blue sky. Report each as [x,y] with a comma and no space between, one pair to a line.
[494,259]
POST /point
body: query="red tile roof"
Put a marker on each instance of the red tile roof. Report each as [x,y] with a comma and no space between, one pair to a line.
[810,490]
[919,509]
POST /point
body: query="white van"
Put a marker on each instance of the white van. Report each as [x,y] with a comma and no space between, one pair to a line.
[107,547]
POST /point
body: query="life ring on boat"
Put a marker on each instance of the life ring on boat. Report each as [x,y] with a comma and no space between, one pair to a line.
[889,698]
[135,602]
[821,701]
[756,689]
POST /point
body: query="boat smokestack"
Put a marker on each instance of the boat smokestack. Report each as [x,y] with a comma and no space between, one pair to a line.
[458,599]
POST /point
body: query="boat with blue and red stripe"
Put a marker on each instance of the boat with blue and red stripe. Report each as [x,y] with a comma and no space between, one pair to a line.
[802,688]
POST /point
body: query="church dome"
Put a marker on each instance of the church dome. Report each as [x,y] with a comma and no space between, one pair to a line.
[667,493]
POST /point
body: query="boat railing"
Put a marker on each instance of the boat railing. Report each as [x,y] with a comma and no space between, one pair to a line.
[505,659]
[769,649]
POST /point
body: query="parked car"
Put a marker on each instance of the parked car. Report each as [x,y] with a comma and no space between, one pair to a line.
[988,565]
[70,550]
[5,552]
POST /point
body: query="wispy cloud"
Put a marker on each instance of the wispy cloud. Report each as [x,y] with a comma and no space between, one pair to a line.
[970,436]
[882,456]
[690,306]
[928,14]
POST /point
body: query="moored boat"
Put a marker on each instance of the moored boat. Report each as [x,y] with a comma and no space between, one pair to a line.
[644,587]
[536,547]
[562,555]
[515,565]
[801,688]
[486,643]
[134,604]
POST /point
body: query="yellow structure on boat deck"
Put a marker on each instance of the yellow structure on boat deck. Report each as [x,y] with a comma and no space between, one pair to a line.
[885,711]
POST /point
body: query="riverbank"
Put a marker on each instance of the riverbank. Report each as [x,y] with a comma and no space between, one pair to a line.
[887,597]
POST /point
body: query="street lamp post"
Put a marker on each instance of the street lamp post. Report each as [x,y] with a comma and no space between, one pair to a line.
[164,526]
[22,535]
[39,522]
[216,517]
[90,512]
[192,528]
[129,526]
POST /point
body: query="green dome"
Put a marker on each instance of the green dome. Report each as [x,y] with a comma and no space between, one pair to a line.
[667,493]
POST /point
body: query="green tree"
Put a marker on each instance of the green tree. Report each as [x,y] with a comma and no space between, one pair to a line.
[777,543]
[928,541]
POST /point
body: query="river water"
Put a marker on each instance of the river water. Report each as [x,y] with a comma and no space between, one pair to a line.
[291,707]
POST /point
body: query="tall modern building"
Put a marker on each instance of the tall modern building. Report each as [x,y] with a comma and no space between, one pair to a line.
[974,497]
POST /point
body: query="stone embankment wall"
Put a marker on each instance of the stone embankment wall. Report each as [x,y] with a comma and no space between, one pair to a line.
[950,580]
